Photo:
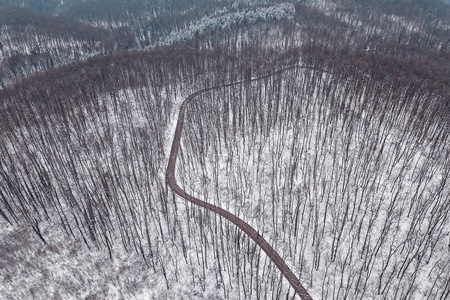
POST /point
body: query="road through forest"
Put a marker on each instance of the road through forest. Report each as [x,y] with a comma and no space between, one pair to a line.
[246,228]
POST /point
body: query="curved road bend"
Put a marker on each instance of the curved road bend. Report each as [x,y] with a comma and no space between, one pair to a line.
[250,231]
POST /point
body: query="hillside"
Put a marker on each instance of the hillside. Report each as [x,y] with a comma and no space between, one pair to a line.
[218,149]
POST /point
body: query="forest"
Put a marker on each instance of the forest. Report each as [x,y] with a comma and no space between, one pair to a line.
[225,149]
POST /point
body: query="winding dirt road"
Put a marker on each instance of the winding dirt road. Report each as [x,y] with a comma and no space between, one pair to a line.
[250,231]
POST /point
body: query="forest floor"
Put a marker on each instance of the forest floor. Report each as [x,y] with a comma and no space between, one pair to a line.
[245,227]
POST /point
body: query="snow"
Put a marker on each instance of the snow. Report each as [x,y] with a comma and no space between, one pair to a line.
[366,189]
[221,20]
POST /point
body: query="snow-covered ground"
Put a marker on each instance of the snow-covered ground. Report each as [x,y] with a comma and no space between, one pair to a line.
[184,258]
[343,199]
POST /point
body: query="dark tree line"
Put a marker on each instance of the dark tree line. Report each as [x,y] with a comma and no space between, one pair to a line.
[420,75]
[33,42]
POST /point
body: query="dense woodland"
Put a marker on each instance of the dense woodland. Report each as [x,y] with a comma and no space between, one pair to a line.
[339,159]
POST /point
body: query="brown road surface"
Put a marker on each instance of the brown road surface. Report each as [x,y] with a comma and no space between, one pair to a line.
[250,231]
